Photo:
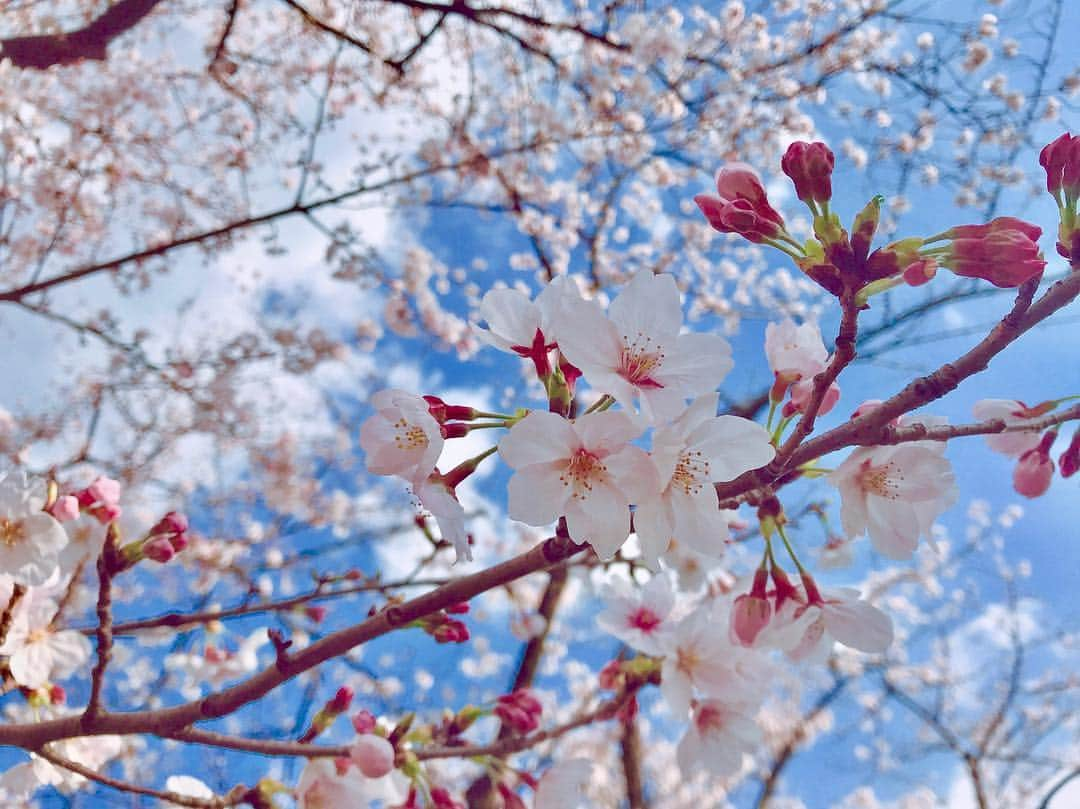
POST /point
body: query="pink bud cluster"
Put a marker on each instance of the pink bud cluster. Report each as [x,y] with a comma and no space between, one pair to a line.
[324,718]
[519,710]
[167,538]
[1004,252]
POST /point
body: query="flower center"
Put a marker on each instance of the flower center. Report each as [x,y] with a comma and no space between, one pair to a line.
[408,436]
[644,619]
[880,480]
[12,532]
[691,472]
[687,660]
[709,719]
[638,359]
[582,471]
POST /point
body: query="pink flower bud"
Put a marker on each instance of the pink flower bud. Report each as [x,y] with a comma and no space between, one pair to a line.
[611,675]
[315,613]
[65,508]
[443,800]
[341,701]
[1001,224]
[749,616]
[741,205]
[519,710]
[1061,160]
[363,721]
[800,397]
[1005,258]
[450,631]
[460,608]
[159,549]
[810,166]
[57,695]
[101,499]
[1034,471]
[373,755]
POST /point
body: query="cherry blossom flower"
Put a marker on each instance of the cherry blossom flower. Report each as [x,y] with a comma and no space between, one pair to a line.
[36,654]
[716,739]
[700,659]
[894,493]
[217,666]
[1004,251]
[795,351]
[439,499]
[638,616]
[585,470]
[323,786]
[695,451]
[525,327]
[30,539]
[841,615]
[637,353]
[563,786]
[1013,413]
[402,438]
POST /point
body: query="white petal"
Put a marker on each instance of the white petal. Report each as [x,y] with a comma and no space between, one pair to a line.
[697,363]
[649,305]
[732,445]
[537,496]
[510,315]
[540,437]
[654,524]
[699,524]
[608,432]
[602,519]
[588,339]
[859,625]
[893,527]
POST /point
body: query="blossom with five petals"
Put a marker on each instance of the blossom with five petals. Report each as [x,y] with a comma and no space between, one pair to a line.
[585,470]
[402,438]
[716,739]
[894,493]
[816,618]
[636,351]
[693,452]
[638,616]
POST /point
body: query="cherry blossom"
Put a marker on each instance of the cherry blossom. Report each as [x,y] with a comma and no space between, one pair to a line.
[1035,470]
[402,438]
[699,659]
[522,326]
[30,539]
[585,470]
[638,616]
[894,493]
[636,352]
[741,205]
[839,614]
[795,351]
[323,786]
[38,654]
[718,736]
[693,452]
[1013,413]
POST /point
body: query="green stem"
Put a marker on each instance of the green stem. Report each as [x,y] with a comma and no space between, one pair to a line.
[600,405]
[790,550]
[480,414]
[487,425]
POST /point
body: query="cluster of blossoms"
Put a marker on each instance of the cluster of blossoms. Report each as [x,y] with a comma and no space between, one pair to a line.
[39,556]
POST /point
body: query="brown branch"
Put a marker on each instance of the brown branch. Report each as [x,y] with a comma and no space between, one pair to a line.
[42,51]
[630,756]
[17,592]
[168,720]
[177,620]
[870,428]
[107,564]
